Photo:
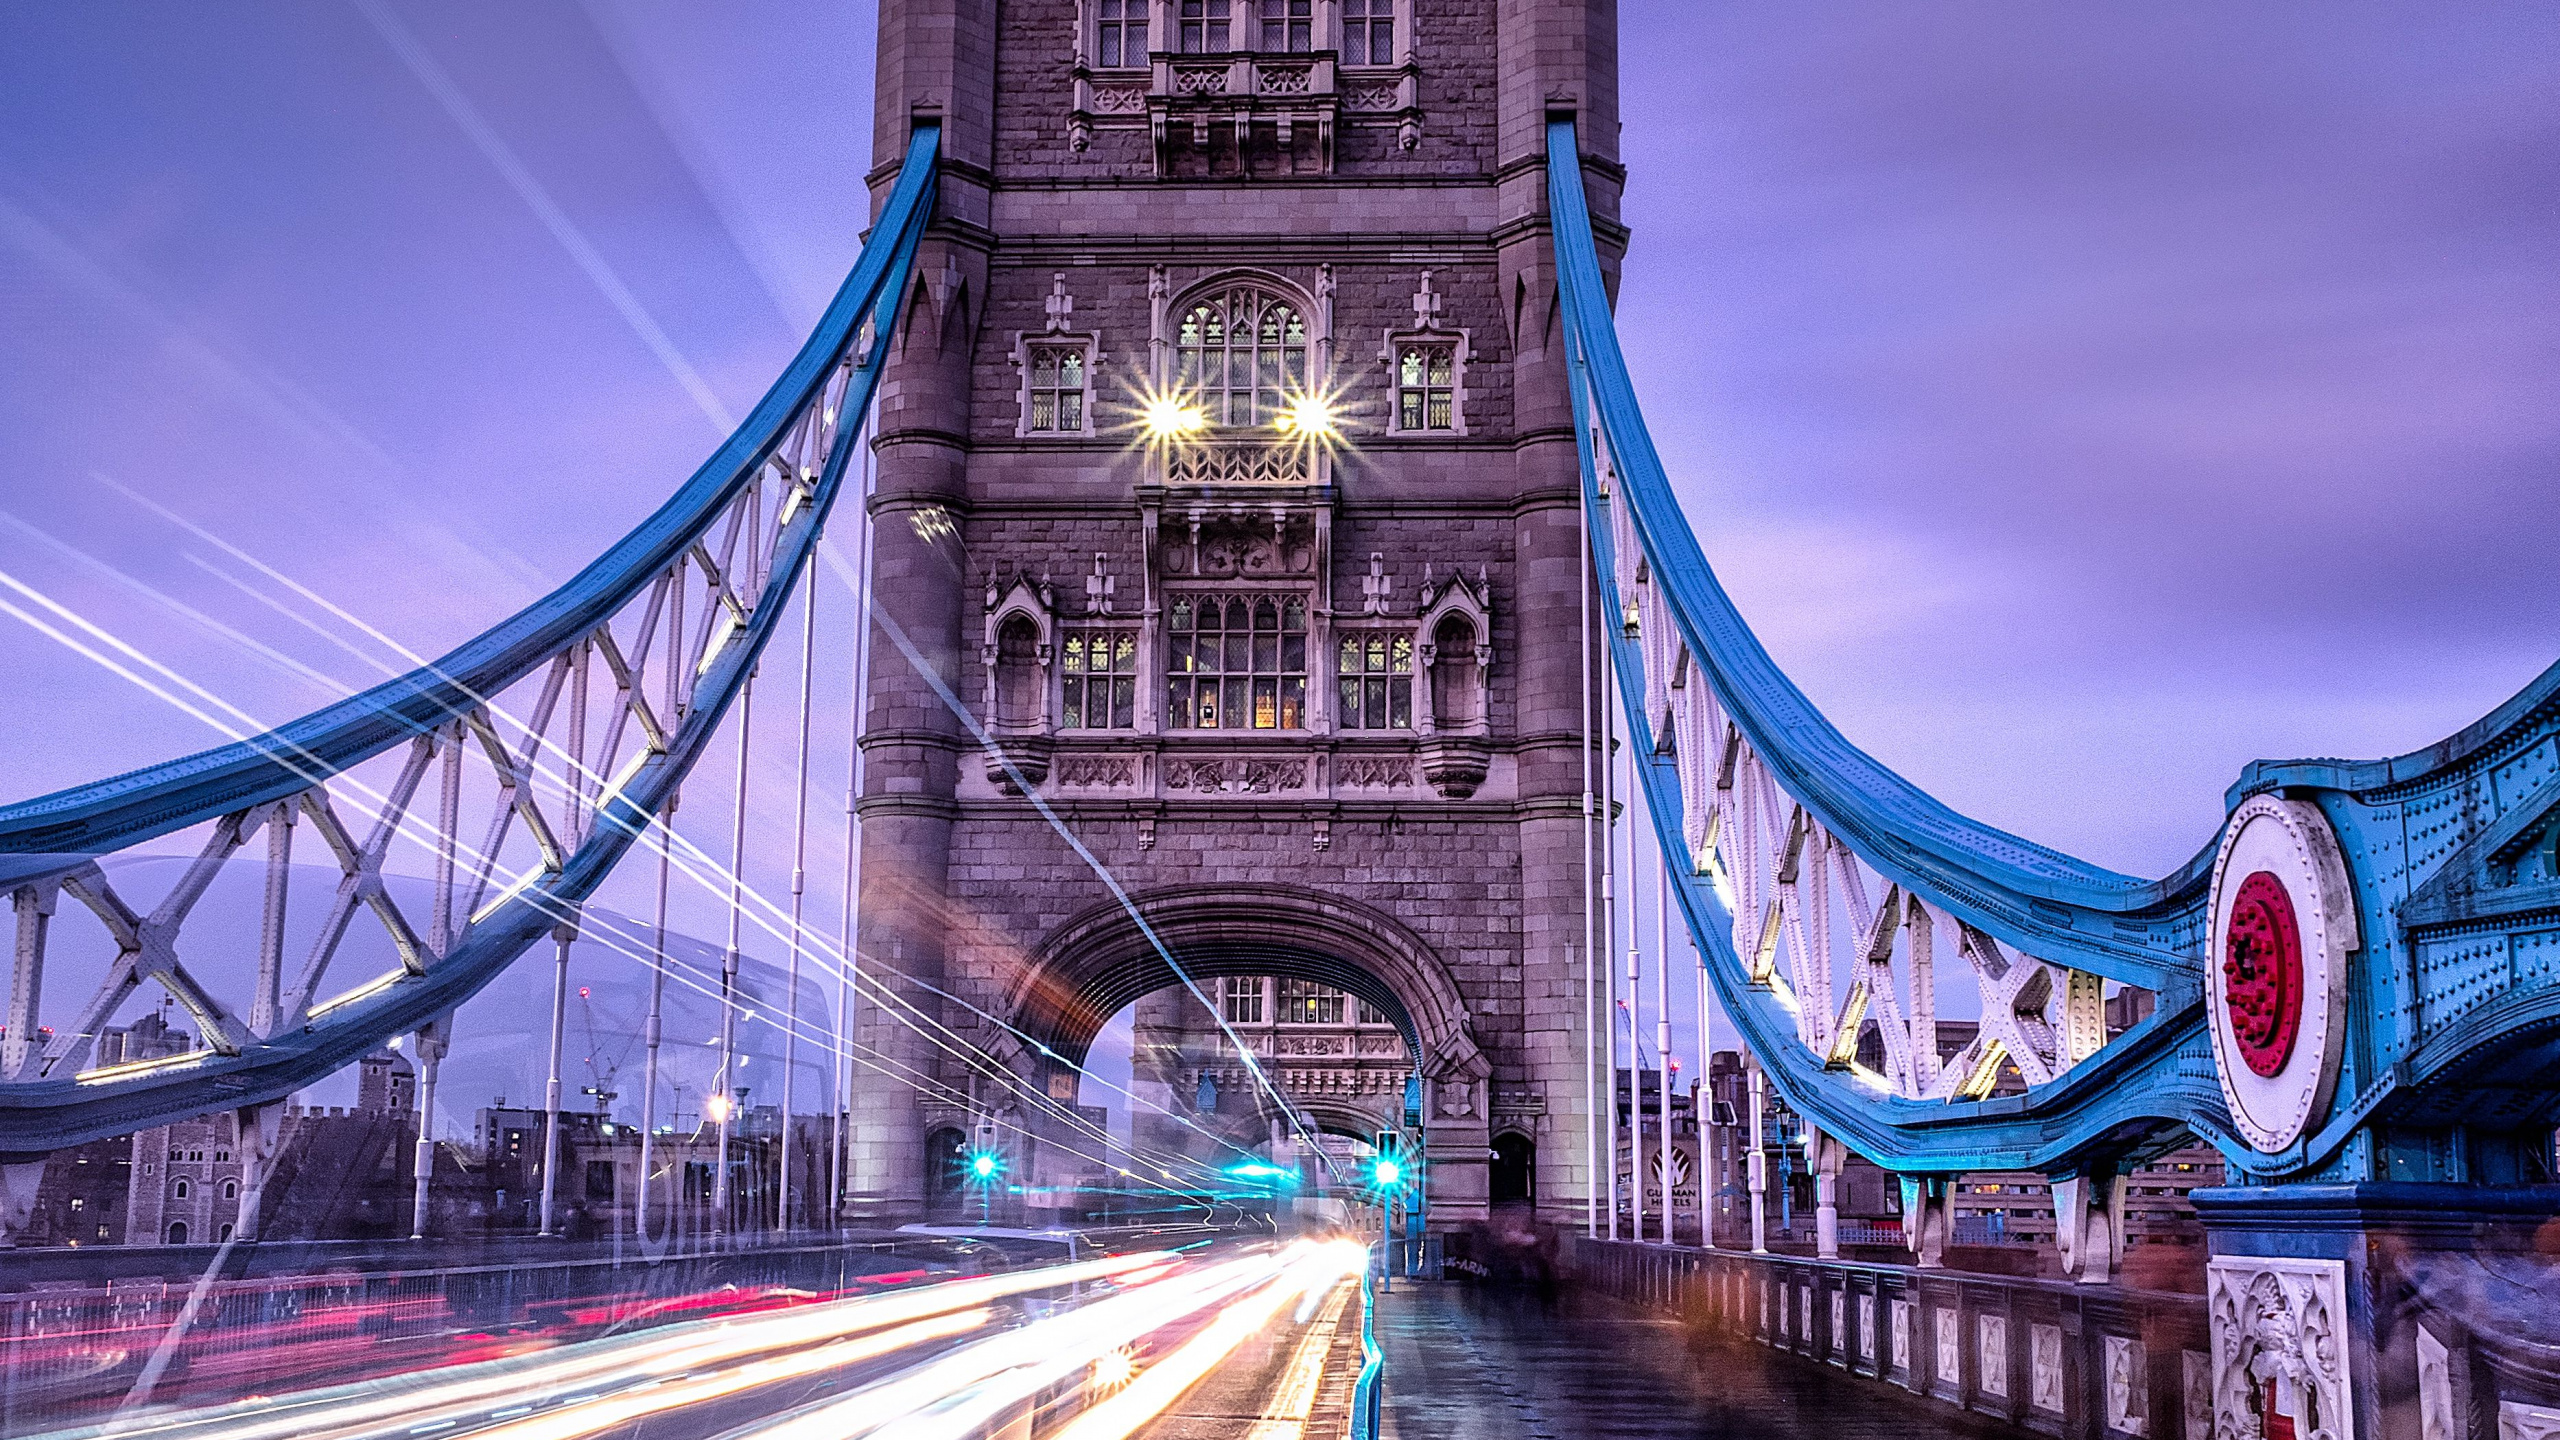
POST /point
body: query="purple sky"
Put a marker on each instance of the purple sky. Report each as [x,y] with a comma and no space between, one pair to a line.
[2082,401]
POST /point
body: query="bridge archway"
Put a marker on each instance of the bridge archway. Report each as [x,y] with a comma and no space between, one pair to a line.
[1103,961]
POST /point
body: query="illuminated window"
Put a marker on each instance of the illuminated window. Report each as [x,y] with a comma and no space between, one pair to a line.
[1243,353]
[1304,1002]
[1288,25]
[1375,674]
[1241,998]
[1426,387]
[1236,662]
[1101,679]
[1368,32]
[1204,26]
[1124,33]
[1057,394]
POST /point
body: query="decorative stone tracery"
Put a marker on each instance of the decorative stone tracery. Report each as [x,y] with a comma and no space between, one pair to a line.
[2280,1345]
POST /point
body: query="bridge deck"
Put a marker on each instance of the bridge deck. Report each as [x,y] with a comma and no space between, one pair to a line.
[1501,1366]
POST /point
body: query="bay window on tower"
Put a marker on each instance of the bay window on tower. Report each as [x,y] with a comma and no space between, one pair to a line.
[1099,678]
[1376,679]
[1426,385]
[1288,26]
[1236,662]
[1368,32]
[1057,389]
[1203,26]
[1122,39]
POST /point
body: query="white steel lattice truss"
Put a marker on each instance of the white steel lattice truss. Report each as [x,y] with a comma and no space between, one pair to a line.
[525,780]
[1805,907]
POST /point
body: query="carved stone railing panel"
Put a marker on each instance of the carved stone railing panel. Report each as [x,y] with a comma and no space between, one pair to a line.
[1244,775]
[1240,462]
[1941,1343]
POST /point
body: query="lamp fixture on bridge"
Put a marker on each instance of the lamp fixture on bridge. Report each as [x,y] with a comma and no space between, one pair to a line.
[1167,418]
[1311,416]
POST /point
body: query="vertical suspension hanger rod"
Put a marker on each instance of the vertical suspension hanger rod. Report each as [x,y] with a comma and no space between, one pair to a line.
[799,884]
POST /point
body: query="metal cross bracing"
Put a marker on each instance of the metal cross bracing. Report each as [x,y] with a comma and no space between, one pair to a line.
[1828,896]
[526,763]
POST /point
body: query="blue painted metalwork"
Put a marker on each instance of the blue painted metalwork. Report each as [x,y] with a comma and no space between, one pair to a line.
[1368,1393]
[2451,850]
[47,836]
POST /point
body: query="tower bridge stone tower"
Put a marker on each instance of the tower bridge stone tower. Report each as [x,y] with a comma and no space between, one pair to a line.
[1312,701]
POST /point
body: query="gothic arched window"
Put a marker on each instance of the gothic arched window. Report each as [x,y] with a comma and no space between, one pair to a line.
[1242,351]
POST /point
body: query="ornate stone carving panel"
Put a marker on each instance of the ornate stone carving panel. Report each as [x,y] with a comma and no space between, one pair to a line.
[2128,1385]
[1373,772]
[2279,1338]
[1234,775]
[1096,772]
[1950,1348]
[2044,1368]
[1991,1354]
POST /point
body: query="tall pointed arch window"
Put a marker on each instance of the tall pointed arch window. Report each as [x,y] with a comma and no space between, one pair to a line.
[1242,351]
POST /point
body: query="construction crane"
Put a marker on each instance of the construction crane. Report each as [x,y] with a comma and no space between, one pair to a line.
[600,1072]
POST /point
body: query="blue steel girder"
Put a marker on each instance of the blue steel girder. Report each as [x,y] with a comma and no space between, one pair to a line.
[2456,853]
[52,843]
[1790,792]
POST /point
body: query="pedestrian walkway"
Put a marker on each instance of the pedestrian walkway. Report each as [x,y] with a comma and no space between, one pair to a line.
[1465,1366]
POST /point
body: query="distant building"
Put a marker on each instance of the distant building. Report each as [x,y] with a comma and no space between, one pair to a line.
[386,1084]
[1336,1060]
[186,1182]
[84,1197]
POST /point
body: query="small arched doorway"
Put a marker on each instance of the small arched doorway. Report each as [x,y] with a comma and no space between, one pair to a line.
[177,1232]
[1512,1178]
[945,1156]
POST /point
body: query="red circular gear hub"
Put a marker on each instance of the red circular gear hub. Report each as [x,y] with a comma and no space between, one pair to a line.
[2262,974]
